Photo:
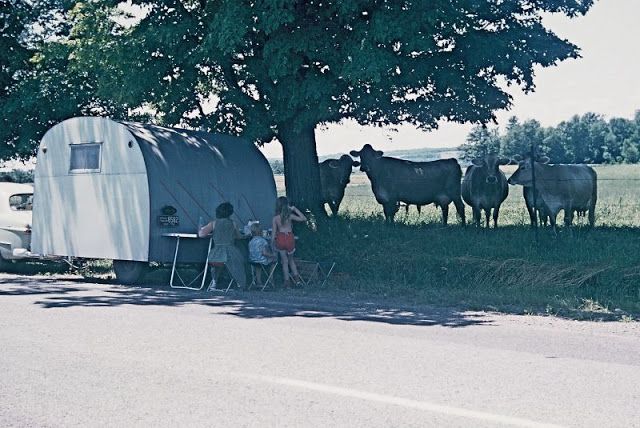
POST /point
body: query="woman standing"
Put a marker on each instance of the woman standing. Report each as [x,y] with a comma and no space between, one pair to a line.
[224,251]
[283,239]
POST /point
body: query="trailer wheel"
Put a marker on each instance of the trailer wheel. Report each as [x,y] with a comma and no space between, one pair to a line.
[128,271]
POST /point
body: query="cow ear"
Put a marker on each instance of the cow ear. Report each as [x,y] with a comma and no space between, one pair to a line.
[517,158]
[478,162]
[504,161]
[355,153]
[544,159]
[333,163]
[379,153]
[355,163]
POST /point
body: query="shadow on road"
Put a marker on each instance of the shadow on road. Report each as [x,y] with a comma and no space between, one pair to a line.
[251,305]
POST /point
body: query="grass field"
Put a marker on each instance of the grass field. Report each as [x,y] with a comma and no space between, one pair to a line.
[580,272]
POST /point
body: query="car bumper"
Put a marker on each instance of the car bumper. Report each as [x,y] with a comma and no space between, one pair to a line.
[24,254]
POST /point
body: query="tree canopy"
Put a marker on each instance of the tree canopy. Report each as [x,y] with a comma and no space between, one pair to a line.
[276,69]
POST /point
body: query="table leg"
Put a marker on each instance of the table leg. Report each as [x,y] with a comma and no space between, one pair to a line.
[175,258]
[206,264]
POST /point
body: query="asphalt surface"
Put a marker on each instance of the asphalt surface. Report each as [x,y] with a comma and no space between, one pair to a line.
[79,354]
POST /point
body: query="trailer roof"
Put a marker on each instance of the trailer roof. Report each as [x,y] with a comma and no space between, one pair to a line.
[194,171]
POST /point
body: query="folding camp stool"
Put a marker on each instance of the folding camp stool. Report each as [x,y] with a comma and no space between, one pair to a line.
[314,272]
[267,270]
[213,284]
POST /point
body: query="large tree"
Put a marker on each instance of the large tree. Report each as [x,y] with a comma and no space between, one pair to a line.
[278,69]
[14,62]
[41,82]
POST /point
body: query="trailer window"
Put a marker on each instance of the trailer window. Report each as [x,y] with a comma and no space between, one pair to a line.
[85,157]
[21,202]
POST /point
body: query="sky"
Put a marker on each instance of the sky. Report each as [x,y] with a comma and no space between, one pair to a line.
[605,80]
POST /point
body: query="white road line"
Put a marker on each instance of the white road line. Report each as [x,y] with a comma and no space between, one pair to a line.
[399,401]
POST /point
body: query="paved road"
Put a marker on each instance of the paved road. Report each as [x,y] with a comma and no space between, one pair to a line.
[79,354]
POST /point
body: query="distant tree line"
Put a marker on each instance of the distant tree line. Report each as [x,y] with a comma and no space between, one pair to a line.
[589,138]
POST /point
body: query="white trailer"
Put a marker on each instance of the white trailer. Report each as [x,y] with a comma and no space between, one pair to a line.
[111,190]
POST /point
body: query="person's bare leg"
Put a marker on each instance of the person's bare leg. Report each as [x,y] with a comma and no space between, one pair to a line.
[258,272]
[293,267]
[214,277]
[285,267]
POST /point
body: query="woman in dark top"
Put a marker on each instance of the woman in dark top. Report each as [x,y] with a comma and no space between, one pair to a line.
[225,251]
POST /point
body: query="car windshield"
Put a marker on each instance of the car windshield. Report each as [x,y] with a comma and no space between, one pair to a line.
[21,202]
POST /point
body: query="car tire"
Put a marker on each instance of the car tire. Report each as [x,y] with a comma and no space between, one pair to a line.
[128,271]
[4,264]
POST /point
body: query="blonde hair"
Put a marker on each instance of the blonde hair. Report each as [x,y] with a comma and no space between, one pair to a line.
[256,229]
[282,209]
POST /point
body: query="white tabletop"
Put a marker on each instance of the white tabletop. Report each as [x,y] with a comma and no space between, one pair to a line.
[180,235]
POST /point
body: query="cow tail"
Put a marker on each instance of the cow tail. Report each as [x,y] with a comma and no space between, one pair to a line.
[458,177]
[594,198]
[457,200]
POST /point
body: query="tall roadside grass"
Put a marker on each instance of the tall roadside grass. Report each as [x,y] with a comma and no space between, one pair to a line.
[580,272]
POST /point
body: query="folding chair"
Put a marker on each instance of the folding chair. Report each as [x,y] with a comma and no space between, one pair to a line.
[314,271]
[267,270]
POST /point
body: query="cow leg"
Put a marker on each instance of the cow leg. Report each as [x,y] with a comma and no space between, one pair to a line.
[527,193]
[334,207]
[460,209]
[496,210]
[445,214]
[477,212]
[544,218]
[552,222]
[568,217]
[533,216]
[390,209]
[592,216]
[419,207]
[487,214]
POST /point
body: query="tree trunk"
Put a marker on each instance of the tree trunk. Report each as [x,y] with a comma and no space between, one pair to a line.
[301,171]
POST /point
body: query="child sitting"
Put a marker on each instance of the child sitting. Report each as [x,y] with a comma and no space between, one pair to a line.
[259,251]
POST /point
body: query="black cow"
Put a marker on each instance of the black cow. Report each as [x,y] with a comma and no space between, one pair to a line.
[485,187]
[414,183]
[334,177]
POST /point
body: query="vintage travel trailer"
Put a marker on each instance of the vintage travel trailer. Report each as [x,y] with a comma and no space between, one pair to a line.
[113,190]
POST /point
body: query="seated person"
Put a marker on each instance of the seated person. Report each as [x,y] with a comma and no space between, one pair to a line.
[259,251]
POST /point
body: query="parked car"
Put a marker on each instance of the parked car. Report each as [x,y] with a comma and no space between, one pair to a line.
[16,201]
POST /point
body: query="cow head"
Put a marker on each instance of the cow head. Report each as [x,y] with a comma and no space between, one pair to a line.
[523,174]
[491,164]
[343,167]
[367,155]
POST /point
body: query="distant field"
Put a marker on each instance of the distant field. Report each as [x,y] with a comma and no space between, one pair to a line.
[618,199]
